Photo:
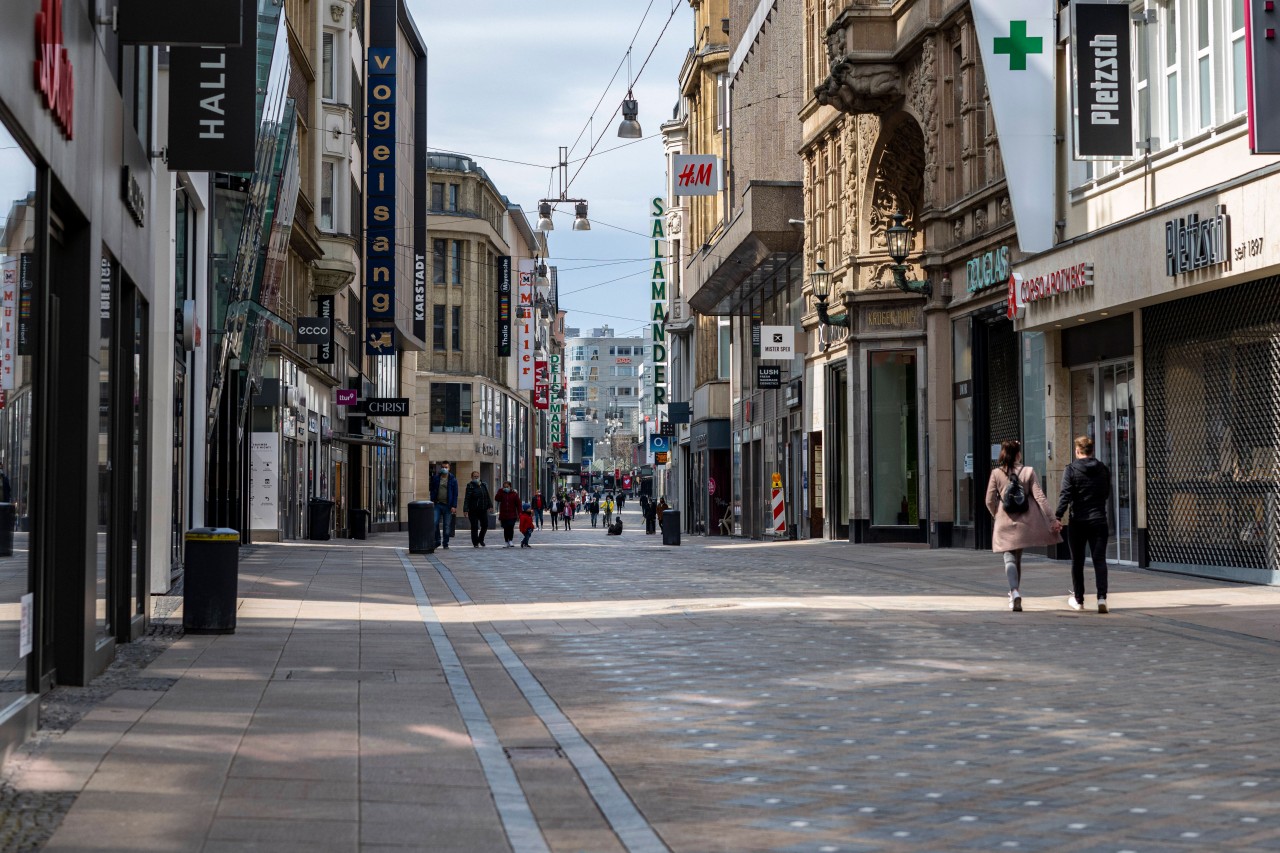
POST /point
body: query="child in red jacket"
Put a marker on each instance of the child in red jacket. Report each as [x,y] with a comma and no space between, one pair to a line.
[526,525]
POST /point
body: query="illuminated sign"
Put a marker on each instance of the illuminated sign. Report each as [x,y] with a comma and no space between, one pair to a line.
[555,413]
[380,200]
[696,174]
[658,305]
[54,79]
[504,306]
[524,329]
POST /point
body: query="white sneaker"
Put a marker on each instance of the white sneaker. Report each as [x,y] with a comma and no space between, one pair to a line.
[1073,604]
[1015,601]
[1102,605]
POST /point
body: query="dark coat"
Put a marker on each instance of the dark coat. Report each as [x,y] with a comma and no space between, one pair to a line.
[476,498]
[508,505]
[1086,488]
[452,487]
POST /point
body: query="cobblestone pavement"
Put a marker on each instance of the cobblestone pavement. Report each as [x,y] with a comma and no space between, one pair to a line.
[602,694]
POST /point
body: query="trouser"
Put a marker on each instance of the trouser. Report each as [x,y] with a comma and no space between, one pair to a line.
[650,524]
[555,521]
[508,529]
[479,524]
[1092,535]
[444,526]
[608,519]
[1013,568]
[537,517]
[527,534]
[568,522]
[594,517]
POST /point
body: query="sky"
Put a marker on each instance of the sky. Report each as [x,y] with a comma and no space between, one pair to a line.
[513,80]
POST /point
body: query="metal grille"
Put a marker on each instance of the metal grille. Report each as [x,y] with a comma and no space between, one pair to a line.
[1003,369]
[1212,387]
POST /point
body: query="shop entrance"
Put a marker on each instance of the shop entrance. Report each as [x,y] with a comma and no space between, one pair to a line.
[1102,408]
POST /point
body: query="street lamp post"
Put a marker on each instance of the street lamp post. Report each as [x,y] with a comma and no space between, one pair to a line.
[898,239]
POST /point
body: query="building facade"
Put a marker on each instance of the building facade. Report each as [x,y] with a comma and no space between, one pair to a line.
[605,381]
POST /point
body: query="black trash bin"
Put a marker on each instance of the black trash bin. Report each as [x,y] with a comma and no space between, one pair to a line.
[671,527]
[210,578]
[359,523]
[422,527]
[8,515]
[319,518]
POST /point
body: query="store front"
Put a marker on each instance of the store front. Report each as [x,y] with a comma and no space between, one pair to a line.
[711,508]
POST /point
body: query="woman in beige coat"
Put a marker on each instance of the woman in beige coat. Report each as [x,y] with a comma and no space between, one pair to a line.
[1034,528]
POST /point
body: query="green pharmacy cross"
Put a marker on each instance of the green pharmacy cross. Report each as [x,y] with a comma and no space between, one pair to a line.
[1018,45]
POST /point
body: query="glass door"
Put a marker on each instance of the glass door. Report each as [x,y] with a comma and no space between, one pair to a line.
[1102,408]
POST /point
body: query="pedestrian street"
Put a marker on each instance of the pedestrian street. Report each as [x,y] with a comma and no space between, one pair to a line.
[599,693]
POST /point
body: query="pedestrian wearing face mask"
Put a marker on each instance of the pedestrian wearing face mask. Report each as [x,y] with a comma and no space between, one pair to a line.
[508,512]
[476,503]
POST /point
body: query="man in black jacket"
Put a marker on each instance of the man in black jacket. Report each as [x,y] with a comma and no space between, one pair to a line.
[476,503]
[1086,488]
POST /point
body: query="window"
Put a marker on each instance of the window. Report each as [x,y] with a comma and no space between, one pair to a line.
[613,350]
[437,337]
[327,192]
[625,391]
[624,350]
[575,374]
[455,275]
[577,354]
[1169,53]
[1204,63]
[328,68]
[437,196]
[450,407]
[593,375]
[577,393]
[453,196]
[438,248]
[725,339]
[1235,33]
[457,328]
[723,96]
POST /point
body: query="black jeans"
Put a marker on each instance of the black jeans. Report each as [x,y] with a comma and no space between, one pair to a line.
[508,529]
[1093,535]
[479,524]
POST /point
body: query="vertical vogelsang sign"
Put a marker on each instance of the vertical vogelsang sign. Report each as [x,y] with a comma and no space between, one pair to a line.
[504,306]
[1103,85]
[658,305]
[380,190]
[524,328]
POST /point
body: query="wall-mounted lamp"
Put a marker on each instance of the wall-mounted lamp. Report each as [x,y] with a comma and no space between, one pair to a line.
[820,281]
[898,239]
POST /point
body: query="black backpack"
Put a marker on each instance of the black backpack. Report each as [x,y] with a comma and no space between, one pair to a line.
[1014,500]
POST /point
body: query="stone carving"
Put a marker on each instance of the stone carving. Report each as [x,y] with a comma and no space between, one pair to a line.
[980,220]
[881,277]
[674,223]
[861,87]
[957,230]
[1005,210]
[899,182]
[849,187]
[922,95]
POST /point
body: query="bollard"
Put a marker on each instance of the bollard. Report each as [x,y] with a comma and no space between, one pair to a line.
[210,580]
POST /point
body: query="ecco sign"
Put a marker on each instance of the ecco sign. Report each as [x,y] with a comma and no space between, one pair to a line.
[314,330]
[396,407]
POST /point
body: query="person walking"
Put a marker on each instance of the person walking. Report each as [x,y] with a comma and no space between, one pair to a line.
[593,507]
[608,510]
[622,501]
[649,510]
[556,509]
[659,508]
[1086,489]
[508,512]
[476,503]
[537,509]
[568,514]
[1021,513]
[444,491]
[526,525]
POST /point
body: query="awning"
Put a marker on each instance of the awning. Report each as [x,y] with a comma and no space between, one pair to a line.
[371,441]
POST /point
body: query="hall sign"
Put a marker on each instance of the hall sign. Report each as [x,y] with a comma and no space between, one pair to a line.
[1193,243]
[987,270]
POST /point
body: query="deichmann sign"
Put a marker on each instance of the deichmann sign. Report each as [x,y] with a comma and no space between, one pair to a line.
[54,78]
[1103,89]
[504,306]
[213,107]
[380,196]
[658,304]
[314,330]
[555,413]
[987,270]
[1193,243]
[171,23]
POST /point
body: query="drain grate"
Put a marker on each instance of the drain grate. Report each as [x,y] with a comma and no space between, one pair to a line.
[341,675]
[516,754]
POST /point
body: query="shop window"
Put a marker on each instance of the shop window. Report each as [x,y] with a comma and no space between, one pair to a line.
[962,392]
[894,439]
[451,407]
